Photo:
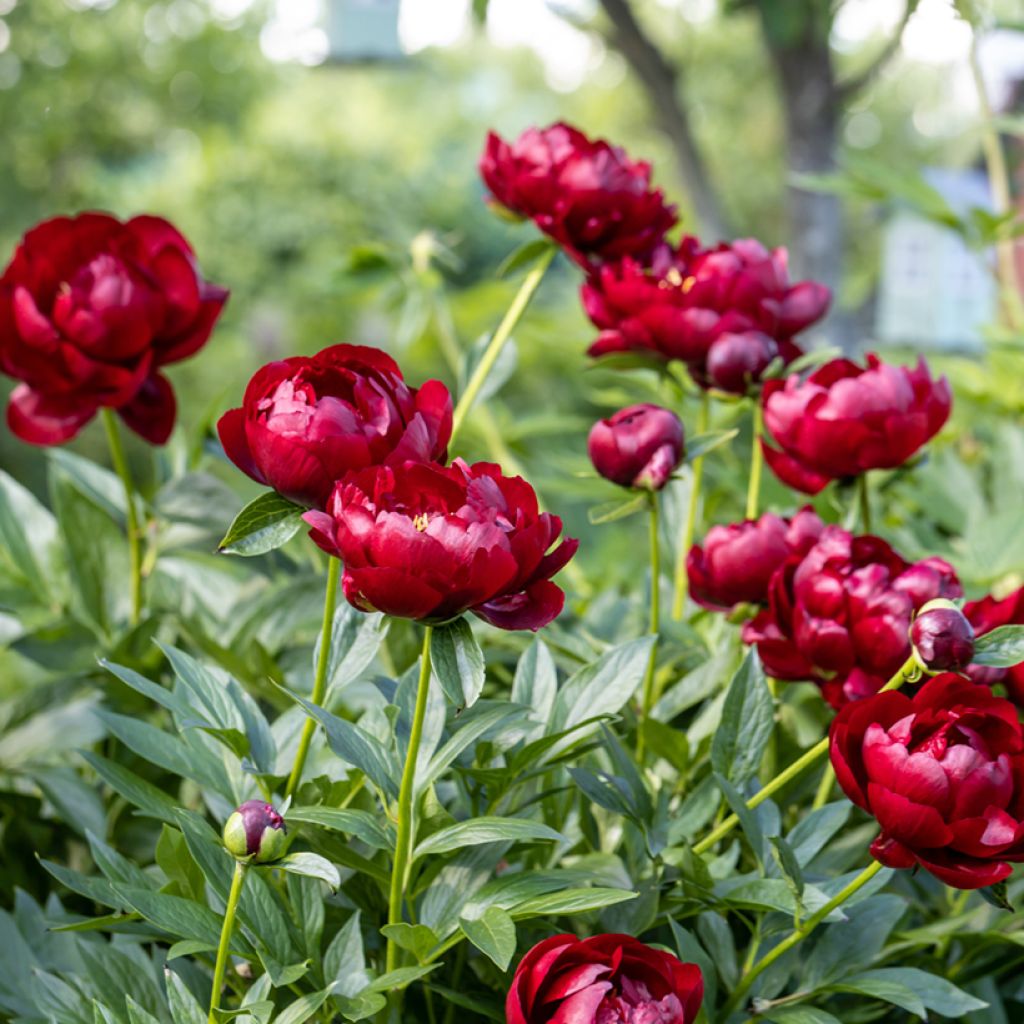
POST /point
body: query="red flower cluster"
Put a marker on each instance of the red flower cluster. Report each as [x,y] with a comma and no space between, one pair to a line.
[737,562]
[943,773]
[426,542]
[846,419]
[90,309]
[305,422]
[607,979]
[727,312]
[840,614]
[986,615]
[640,446]
[587,195]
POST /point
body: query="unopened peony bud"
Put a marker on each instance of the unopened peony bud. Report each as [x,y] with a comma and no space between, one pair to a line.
[640,446]
[736,361]
[943,639]
[255,832]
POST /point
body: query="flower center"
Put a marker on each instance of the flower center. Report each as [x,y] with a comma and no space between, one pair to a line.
[420,521]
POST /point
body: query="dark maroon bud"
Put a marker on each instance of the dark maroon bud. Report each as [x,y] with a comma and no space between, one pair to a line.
[943,639]
[735,361]
[255,832]
[640,446]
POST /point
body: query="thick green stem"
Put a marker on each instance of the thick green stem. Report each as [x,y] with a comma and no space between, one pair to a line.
[650,695]
[476,381]
[1010,283]
[907,671]
[225,940]
[799,935]
[320,679]
[756,462]
[690,525]
[131,519]
[406,832]
[864,502]
[828,778]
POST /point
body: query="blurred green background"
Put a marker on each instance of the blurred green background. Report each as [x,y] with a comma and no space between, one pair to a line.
[340,201]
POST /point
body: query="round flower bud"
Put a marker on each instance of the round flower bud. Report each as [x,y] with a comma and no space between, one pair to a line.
[943,638]
[256,833]
[640,446]
[736,361]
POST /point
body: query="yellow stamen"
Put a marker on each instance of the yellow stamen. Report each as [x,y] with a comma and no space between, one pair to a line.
[420,521]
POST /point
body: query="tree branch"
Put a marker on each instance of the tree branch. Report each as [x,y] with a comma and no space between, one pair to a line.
[661,83]
[851,86]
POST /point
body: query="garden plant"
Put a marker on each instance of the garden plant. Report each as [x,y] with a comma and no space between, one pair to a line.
[383,752]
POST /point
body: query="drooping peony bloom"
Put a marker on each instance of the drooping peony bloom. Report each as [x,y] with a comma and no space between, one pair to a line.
[943,773]
[986,615]
[256,832]
[640,446]
[687,300]
[736,562]
[943,638]
[90,309]
[306,422]
[840,616]
[606,979]
[586,194]
[426,542]
[846,419]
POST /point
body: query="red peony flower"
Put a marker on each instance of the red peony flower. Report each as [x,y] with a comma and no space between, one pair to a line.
[306,422]
[607,979]
[846,419]
[943,773]
[737,562]
[684,300]
[840,616]
[986,615]
[90,309]
[426,542]
[943,638]
[586,194]
[640,446]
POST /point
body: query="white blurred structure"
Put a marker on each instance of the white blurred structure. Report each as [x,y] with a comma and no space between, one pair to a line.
[359,30]
[935,293]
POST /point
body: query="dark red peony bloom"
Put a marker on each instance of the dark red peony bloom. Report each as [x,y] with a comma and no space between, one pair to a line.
[943,772]
[426,542]
[586,194]
[90,309]
[685,299]
[986,615]
[640,446]
[736,562]
[840,616]
[607,979]
[306,422]
[943,638]
[846,419]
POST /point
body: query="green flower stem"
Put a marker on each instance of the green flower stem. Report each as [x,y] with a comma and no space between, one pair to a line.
[476,381]
[131,519]
[828,778]
[864,502]
[690,525]
[756,462]
[650,694]
[403,845]
[907,671]
[799,935]
[228,927]
[320,679]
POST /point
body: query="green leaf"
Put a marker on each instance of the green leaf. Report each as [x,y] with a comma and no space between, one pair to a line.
[800,1015]
[458,663]
[178,916]
[478,831]
[395,981]
[494,934]
[311,865]
[699,446]
[1003,647]
[345,959]
[748,717]
[27,534]
[141,794]
[361,824]
[356,638]
[571,901]
[748,819]
[529,252]
[266,523]
[885,989]
[620,508]
[418,939]
[304,1007]
[936,993]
